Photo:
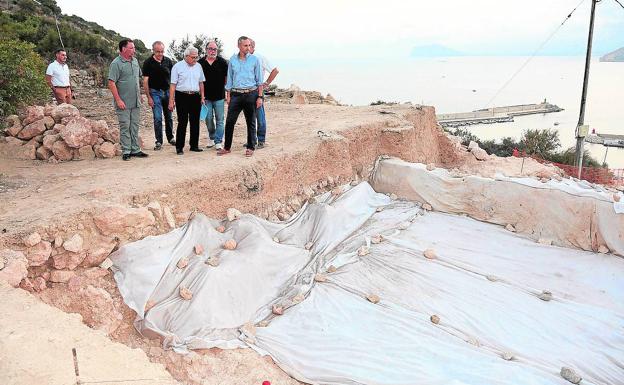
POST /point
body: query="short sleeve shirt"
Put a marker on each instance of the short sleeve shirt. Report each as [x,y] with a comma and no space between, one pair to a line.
[215,74]
[158,73]
[59,73]
[187,77]
[126,75]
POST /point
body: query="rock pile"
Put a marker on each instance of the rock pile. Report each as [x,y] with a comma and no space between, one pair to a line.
[59,133]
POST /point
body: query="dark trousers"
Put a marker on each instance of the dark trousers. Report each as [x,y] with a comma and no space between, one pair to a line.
[247,104]
[188,107]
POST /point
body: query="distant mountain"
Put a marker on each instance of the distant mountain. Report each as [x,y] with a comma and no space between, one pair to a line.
[617,55]
[434,50]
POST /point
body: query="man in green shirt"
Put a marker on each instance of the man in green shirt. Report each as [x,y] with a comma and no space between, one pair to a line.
[123,81]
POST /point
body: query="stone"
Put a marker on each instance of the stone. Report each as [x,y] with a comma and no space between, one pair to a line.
[277,310]
[393,196]
[62,151]
[220,229]
[106,150]
[507,356]
[373,298]
[86,152]
[376,239]
[43,153]
[182,263]
[100,127]
[363,250]
[185,293]
[331,269]
[169,218]
[379,209]
[472,145]
[430,254]
[15,267]
[39,254]
[32,130]
[233,214]
[308,245]
[99,249]
[312,200]
[198,249]
[32,239]
[404,225]
[603,249]
[427,207]
[213,261]
[63,111]
[26,284]
[68,260]
[49,122]
[557,177]
[32,114]
[298,298]
[77,133]
[510,227]
[75,283]
[276,239]
[544,241]
[48,108]
[49,140]
[479,153]
[545,296]
[320,278]
[616,197]
[119,220]
[434,319]
[39,284]
[106,264]
[74,244]
[431,167]
[58,241]
[100,311]
[13,125]
[61,276]
[336,191]
[230,244]
[570,375]
[491,278]
[156,209]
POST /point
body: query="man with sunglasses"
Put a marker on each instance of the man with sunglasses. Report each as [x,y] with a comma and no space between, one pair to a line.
[187,85]
[156,75]
[215,71]
[243,92]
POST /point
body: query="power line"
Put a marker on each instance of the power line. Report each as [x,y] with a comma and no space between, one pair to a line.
[534,54]
[617,1]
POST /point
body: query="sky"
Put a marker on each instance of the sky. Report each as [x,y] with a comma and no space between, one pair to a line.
[354,29]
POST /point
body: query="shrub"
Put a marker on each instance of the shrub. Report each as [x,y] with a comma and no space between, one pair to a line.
[176,50]
[22,76]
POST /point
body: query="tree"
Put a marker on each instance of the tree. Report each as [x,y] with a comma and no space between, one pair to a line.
[22,76]
[541,142]
[176,50]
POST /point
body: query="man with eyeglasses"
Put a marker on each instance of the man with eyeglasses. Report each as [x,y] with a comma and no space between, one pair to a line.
[187,86]
[215,71]
[260,114]
[123,81]
[156,75]
[243,92]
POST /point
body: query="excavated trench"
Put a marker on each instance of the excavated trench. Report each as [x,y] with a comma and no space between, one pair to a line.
[64,258]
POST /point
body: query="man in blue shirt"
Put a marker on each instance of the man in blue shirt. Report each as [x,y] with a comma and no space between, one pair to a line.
[243,92]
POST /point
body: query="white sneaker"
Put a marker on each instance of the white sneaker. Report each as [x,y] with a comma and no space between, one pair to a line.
[210,143]
[219,146]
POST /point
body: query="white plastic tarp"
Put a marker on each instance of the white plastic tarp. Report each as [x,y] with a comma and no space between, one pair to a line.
[483,285]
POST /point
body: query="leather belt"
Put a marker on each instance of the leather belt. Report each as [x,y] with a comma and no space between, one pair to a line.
[189,92]
[61,86]
[244,90]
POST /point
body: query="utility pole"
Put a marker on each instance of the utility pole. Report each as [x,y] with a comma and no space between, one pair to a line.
[580,135]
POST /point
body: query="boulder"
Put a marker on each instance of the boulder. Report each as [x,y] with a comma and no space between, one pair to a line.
[49,122]
[43,153]
[99,249]
[39,254]
[68,260]
[32,130]
[32,114]
[14,143]
[14,266]
[74,244]
[112,135]
[86,152]
[32,239]
[48,109]
[100,127]
[122,220]
[107,150]
[13,124]
[155,208]
[61,276]
[77,133]
[62,151]
[49,140]
[63,111]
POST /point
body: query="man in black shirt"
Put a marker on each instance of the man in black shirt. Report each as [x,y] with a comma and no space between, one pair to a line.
[215,71]
[156,76]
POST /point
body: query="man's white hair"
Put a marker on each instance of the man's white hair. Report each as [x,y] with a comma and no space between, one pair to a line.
[190,50]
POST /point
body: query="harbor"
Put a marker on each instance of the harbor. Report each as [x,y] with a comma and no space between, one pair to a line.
[495,114]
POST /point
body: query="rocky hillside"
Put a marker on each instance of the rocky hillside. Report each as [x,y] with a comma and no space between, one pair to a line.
[617,55]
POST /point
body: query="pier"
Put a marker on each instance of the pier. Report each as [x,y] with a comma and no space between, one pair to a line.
[495,114]
[607,140]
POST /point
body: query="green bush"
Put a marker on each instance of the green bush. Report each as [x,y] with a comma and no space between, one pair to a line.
[22,76]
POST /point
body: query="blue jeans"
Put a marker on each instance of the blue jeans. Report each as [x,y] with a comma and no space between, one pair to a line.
[215,111]
[161,106]
[261,118]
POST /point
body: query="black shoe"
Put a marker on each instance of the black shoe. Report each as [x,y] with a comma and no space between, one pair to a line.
[158,146]
[179,152]
[172,142]
[139,154]
[260,145]
[126,156]
[197,150]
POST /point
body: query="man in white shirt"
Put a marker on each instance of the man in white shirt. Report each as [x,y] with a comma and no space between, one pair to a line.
[57,77]
[268,68]
[187,84]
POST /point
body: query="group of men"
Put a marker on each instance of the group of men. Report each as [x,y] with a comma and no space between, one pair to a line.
[189,86]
